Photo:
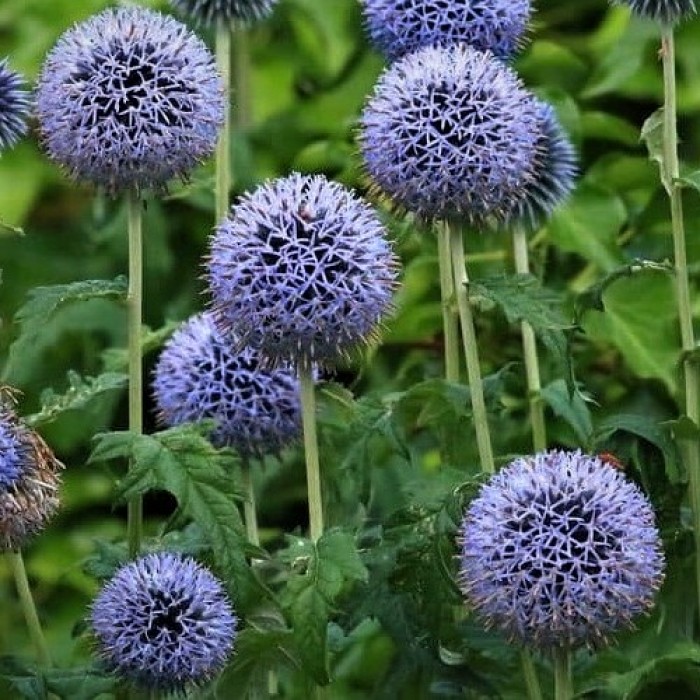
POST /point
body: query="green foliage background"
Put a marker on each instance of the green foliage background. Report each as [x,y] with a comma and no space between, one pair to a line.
[397,443]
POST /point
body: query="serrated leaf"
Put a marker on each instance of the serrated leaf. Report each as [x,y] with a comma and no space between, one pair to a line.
[79,683]
[571,407]
[23,678]
[117,359]
[107,558]
[81,391]
[309,613]
[338,563]
[653,136]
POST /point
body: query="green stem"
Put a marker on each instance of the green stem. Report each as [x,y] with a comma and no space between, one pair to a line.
[471,351]
[134,311]
[691,375]
[563,689]
[532,683]
[223,148]
[250,515]
[241,79]
[313,470]
[532,365]
[450,319]
[16,563]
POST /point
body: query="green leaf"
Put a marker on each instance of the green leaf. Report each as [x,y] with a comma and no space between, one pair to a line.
[117,359]
[571,407]
[79,683]
[22,678]
[653,136]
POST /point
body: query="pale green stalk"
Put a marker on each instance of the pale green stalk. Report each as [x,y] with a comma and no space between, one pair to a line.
[691,375]
[471,352]
[16,562]
[313,471]
[532,683]
[563,688]
[223,147]
[450,319]
[134,310]
[532,365]
[241,79]
[250,516]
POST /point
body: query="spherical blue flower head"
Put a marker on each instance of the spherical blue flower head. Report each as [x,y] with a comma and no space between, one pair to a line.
[668,12]
[555,174]
[129,99]
[451,132]
[560,550]
[164,622]
[398,27]
[201,374]
[209,12]
[302,271]
[14,106]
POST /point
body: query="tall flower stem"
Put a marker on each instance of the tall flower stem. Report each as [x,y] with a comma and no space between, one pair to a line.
[134,313]
[16,563]
[223,147]
[471,352]
[241,79]
[563,689]
[532,683]
[450,319]
[250,516]
[691,375]
[313,470]
[532,365]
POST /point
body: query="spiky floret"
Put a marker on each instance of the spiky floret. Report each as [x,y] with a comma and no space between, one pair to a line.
[554,177]
[201,374]
[398,27]
[560,550]
[668,12]
[451,132]
[128,99]
[209,12]
[302,271]
[14,106]
[164,622]
[29,480]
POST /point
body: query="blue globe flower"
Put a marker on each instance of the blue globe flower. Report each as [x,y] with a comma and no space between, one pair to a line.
[398,27]
[201,374]
[560,549]
[668,12]
[29,480]
[451,132]
[129,99]
[164,622]
[301,271]
[14,106]
[554,176]
[209,12]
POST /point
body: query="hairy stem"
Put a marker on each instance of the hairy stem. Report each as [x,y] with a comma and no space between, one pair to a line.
[134,311]
[471,352]
[26,600]
[450,319]
[313,471]
[563,689]
[532,365]
[223,147]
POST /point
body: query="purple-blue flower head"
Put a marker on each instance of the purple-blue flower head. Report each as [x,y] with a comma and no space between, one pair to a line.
[302,271]
[203,374]
[129,99]
[209,12]
[398,27]
[14,106]
[554,177]
[666,12]
[29,480]
[560,550]
[164,622]
[451,132]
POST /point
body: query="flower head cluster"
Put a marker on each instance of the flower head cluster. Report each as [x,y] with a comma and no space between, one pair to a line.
[14,106]
[668,12]
[451,132]
[164,622]
[554,177]
[559,550]
[398,27]
[301,270]
[201,374]
[29,480]
[210,12]
[129,99]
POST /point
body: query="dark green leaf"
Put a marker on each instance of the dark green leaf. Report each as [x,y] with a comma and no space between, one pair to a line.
[653,136]
[79,683]
[572,408]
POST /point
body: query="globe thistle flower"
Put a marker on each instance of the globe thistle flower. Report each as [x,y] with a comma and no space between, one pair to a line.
[128,100]
[29,480]
[668,12]
[209,12]
[451,132]
[200,374]
[14,106]
[554,177]
[398,27]
[560,550]
[164,622]
[302,271]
